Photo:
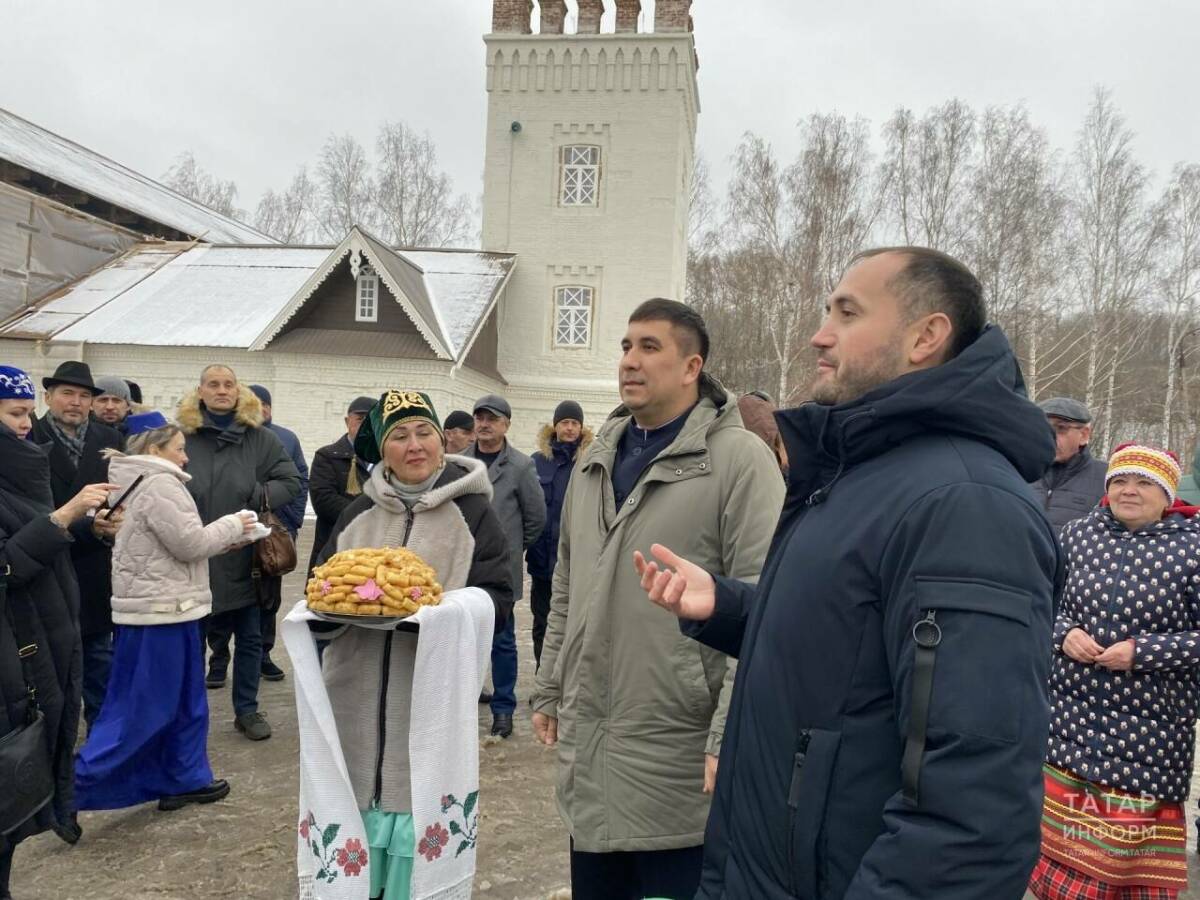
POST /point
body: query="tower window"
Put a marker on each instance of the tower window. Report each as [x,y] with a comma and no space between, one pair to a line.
[580,165]
[572,316]
[366,308]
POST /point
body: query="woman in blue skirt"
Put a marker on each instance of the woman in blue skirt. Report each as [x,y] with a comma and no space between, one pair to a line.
[150,742]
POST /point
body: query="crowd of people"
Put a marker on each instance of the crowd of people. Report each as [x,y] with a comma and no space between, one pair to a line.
[911,639]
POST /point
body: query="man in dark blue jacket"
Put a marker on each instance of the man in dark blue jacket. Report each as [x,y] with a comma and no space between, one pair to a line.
[890,714]
[559,445]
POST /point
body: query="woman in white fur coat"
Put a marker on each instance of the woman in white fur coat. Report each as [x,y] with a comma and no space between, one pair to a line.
[150,740]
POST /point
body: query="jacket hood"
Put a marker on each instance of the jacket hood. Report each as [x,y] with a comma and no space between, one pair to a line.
[462,475]
[25,469]
[249,411]
[546,435]
[125,470]
[978,395]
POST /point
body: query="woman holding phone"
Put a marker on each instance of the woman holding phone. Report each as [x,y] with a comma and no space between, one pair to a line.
[39,628]
[150,742]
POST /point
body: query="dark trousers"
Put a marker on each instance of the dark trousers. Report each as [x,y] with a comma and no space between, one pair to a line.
[245,627]
[504,670]
[539,602]
[271,598]
[97,664]
[634,875]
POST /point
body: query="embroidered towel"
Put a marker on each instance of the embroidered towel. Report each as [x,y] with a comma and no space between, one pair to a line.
[453,648]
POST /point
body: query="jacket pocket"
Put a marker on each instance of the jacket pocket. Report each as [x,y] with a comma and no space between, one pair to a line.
[984,637]
[808,795]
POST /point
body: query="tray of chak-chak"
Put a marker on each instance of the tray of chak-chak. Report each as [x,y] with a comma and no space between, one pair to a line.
[372,586]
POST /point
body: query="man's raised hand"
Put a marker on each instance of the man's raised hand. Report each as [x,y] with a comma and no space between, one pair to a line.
[689,592]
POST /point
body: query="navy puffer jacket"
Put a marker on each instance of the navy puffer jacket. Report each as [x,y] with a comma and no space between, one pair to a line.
[1130,730]
[909,503]
[554,461]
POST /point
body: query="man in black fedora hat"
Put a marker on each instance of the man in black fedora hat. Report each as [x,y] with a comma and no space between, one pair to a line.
[76,442]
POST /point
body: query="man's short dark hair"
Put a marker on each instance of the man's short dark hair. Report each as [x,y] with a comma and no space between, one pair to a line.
[688,325]
[933,281]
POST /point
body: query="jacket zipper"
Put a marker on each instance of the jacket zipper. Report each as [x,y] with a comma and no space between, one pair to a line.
[383,690]
[793,802]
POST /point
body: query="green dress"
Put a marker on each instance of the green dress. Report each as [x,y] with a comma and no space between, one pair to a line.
[390,842]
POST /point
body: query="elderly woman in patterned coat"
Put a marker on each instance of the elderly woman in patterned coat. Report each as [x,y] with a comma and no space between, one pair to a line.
[1124,686]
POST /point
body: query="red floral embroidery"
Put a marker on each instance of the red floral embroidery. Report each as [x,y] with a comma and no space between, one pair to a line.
[436,837]
[304,829]
[353,857]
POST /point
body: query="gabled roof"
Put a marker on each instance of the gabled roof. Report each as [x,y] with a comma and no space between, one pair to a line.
[184,294]
[41,151]
[446,293]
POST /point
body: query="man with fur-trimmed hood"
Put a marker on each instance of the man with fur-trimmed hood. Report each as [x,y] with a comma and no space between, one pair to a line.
[559,446]
[233,460]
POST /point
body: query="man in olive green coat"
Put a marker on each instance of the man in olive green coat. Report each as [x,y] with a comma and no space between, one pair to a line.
[636,709]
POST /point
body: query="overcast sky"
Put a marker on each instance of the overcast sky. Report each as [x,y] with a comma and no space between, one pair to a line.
[253,87]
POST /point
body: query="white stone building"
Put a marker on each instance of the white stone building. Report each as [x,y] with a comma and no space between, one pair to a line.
[588,163]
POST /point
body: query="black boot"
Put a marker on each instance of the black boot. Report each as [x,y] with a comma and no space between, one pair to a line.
[270,671]
[502,724]
[218,790]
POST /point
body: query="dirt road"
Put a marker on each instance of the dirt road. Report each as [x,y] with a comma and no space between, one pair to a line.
[245,846]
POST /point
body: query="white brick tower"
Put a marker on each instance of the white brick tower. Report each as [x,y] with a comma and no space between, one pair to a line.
[590,148]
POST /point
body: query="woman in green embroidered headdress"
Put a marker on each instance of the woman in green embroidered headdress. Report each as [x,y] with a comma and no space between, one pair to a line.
[439,507]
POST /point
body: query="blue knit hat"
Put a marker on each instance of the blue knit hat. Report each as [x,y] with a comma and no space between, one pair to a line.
[143,422]
[15,384]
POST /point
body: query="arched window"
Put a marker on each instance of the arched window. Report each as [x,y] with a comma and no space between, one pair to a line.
[572,316]
[366,309]
[579,180]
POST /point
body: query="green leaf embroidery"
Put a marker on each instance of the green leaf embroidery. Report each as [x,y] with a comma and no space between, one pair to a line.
[469,804]
[454,829]
[329,834]
[321,874]
[461,847]
[315,849]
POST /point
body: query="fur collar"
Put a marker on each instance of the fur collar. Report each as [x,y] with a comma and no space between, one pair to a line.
[248,412]
[546,435]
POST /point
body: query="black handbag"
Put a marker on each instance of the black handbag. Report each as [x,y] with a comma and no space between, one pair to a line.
[25,768]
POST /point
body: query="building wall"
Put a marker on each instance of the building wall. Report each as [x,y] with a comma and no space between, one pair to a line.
[334,303]
[633,95]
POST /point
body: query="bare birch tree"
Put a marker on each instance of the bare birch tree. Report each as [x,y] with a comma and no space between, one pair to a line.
[187,177]
[346,189]
[927,166]
[416,203]
[1111,236]
[1013,221]
[289,215]
[1178,277]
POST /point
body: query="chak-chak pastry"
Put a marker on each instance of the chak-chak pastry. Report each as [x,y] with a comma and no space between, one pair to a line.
[390,581]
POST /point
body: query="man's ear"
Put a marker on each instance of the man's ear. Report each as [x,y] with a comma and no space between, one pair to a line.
[930,338]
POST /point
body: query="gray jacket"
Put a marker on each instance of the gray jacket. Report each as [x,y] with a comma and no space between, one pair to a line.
[1071,490]
[230,468]
[519,503]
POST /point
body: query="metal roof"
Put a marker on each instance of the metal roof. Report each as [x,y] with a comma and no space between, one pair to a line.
[48,154]
[184,294]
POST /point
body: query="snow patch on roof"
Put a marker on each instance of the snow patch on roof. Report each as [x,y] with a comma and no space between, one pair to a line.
[64,161]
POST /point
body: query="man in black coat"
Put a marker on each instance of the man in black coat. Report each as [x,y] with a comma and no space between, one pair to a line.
[330,484]
[76,442]
[1073,486]
[236,463]
[890,714]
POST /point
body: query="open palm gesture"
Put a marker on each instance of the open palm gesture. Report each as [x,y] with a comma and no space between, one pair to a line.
[689,592]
